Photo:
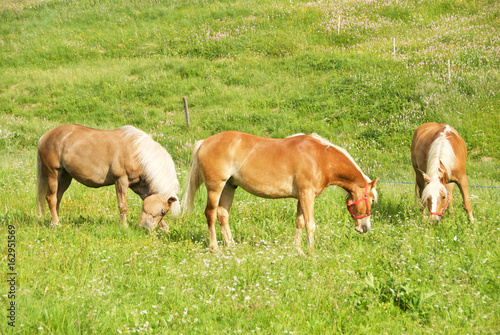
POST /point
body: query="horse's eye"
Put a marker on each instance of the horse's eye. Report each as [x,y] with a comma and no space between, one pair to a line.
[163,212]
[373,201]
[444,197]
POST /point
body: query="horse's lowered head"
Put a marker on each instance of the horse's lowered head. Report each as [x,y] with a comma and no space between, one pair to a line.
[435,196]
[154,209]
[359,203]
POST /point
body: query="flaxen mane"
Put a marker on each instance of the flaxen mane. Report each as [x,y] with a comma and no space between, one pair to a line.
[158,166]
[440,163]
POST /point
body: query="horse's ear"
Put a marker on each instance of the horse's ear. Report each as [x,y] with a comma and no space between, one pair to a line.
[171,199]
[426,177]
[373,183]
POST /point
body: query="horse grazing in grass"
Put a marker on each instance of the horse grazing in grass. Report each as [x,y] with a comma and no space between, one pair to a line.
[126,157]
[299,166]
[438,155]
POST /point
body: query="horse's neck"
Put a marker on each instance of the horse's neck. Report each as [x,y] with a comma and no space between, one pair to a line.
[345,174]
[142,189]
[350,184]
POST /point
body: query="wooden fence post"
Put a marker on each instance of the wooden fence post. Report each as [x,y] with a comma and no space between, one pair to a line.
[186,112]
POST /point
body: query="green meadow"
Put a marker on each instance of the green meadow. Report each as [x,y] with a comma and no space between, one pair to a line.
[363,74]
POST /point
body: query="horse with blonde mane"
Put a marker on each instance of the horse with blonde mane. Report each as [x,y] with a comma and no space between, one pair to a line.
[299,167]
[126,157]
[438,155]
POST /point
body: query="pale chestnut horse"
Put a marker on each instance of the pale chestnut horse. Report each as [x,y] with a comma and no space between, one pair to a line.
[299,166]
[438,155]
[124,157]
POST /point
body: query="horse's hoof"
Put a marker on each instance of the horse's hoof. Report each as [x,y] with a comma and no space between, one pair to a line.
[214,250]
[299,250]
[164,229]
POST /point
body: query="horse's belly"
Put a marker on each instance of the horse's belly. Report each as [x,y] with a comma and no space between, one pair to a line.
[94,182]
[91,177]
[267,189]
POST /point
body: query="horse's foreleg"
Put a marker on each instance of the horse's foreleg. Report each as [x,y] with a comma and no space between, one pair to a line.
[121,186]
[463,185]
[163,226]
[299,225]
[211,215]
[225,202]
[419,187]
[307,204]
[449,188]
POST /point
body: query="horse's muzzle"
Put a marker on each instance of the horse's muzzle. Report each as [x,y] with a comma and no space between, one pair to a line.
[148,222]
[363,225]
[361,229]
[436,218]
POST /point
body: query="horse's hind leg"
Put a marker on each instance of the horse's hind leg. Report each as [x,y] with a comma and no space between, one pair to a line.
[52,196]
[64,181]
[213,197]
[463,185]
[225,202]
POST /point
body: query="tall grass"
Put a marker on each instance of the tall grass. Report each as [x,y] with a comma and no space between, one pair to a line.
[272,69]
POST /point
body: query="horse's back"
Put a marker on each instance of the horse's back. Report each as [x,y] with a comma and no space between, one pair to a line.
[241,147]
[263,166]
[78,139]
[91,156]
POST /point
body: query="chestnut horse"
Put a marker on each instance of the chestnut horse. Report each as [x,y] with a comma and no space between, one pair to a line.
[126,157]
[438,155]
[299,166]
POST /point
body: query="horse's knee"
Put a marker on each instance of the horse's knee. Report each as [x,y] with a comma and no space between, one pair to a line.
[223,215]
[299,222]
[467,206]
[51,200]
[310,226]
[208,212]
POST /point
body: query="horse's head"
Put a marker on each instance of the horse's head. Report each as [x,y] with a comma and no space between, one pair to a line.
[435,196]
[154,209]
[359,203]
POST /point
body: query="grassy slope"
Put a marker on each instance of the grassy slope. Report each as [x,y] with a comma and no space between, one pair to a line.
[271,69]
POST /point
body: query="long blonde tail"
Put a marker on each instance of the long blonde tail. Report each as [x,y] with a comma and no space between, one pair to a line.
[42,184]
[195,180]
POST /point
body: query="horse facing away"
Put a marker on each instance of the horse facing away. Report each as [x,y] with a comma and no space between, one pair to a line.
[438,155]
[299,166]
[126,157]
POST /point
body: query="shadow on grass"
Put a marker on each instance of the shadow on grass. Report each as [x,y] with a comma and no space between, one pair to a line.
[178,234]
[396,210]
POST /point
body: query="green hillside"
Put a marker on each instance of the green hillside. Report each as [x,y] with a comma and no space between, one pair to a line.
[363,74]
